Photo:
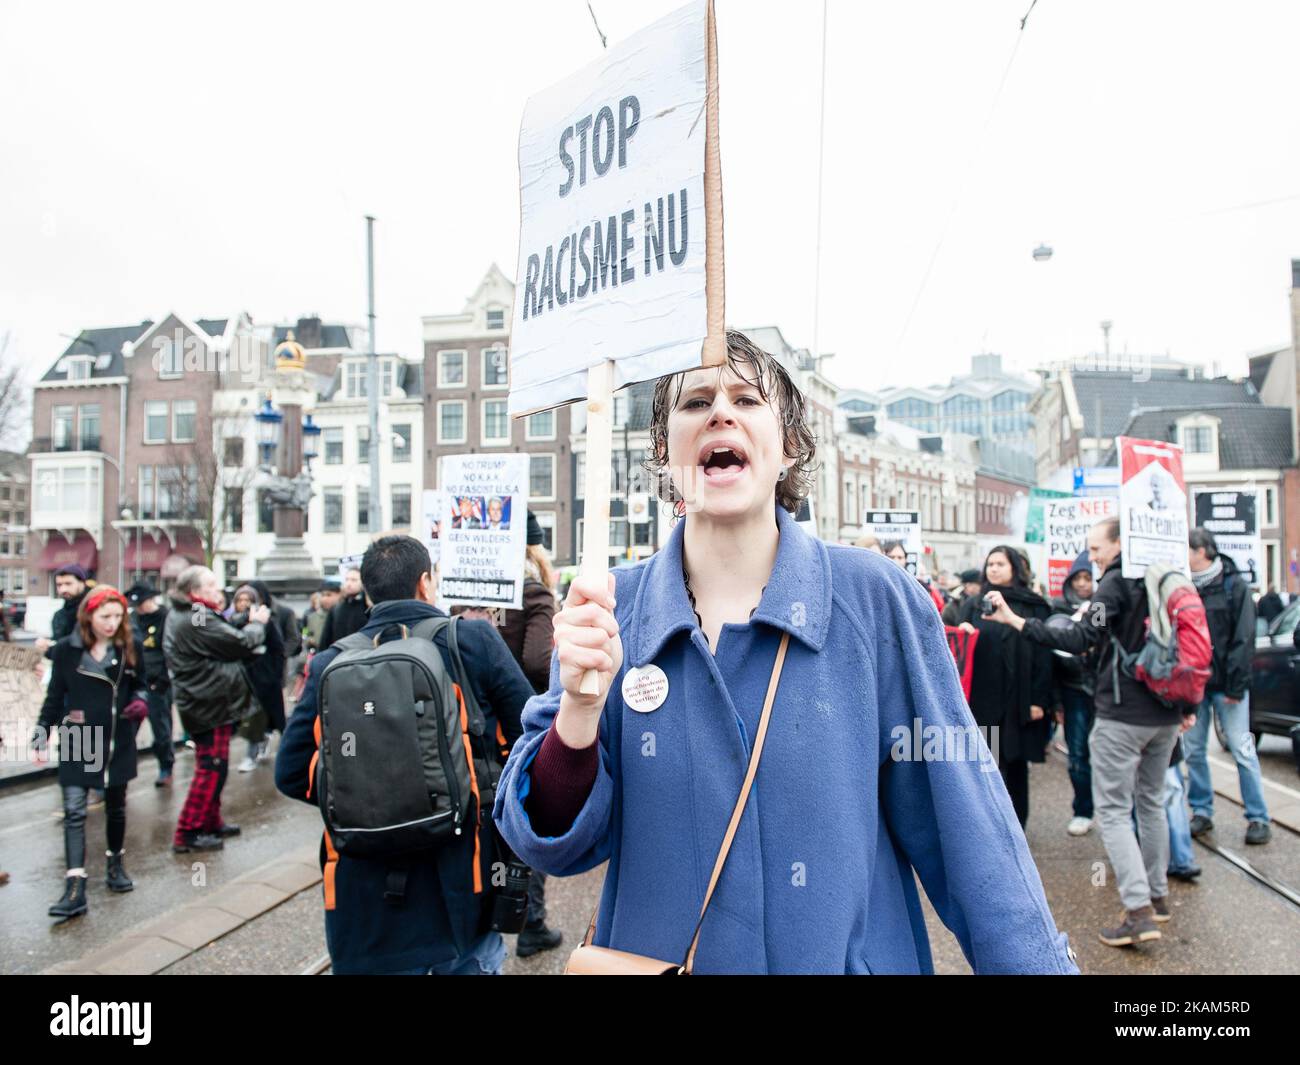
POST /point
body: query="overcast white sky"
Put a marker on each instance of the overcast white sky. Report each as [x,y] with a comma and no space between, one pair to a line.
[216,158]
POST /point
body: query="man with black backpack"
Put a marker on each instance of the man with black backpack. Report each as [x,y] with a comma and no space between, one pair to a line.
[1132,738]
[1230,613]
[400,737]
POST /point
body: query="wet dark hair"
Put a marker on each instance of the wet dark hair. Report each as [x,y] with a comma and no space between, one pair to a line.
[766,374]
[1019,568]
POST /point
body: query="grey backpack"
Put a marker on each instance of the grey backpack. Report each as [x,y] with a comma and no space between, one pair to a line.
[403,764]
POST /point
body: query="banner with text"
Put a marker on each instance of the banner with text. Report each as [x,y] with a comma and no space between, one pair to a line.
[1232,515]
[484,529]
[1066,523]
[1152,505]
[902,525]
[620,239]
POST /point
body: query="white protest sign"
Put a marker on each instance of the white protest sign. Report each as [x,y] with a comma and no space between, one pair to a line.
[1232,515]
[904,525]
[484,529]
[620,237]
[349,562]
[1152,505]
[1065,532]
[431,511]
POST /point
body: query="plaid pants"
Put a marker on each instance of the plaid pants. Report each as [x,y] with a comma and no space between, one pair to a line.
[202,810]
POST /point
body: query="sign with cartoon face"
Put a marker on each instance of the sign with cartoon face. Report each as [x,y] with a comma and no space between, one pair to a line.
[1152,505]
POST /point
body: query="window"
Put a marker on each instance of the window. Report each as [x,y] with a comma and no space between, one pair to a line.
[363,445]
[1270,505]
[333,510]
[401,505]
[540,426]
[496,422]
[496,319]
[63,417]
[401,443]
[170,357]
[451,421]
[232,571]
[355,380]
[20,517]
[363,510]
[170,488]
[4,491]
[265,512]
[451,369]
[184,412]
[20,493]
[496,368]
[145,478]
[386,375]
[333,446]
[546,519]
[155,422]
[79,369]
[1198,439]
[620,409]
[20,578]
[235,509]
[233,451]
[88,416]
[541,477]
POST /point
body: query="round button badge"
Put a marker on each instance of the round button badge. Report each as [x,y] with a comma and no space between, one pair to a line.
[645,689]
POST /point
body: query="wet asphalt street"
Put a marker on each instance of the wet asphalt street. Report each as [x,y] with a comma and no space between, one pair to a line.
[1225,923]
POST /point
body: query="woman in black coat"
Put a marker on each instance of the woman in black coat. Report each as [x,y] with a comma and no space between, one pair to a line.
[96,699]
[1011,682]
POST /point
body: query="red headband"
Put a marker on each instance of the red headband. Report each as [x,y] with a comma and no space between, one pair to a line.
[96,598]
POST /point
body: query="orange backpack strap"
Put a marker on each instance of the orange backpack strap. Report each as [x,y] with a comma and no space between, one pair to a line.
[315,758]
[473,787]
[331,867]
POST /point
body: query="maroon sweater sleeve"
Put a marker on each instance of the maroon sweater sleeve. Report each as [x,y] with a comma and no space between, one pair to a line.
[561,779]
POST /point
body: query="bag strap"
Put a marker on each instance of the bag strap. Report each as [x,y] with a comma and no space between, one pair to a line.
[739,811]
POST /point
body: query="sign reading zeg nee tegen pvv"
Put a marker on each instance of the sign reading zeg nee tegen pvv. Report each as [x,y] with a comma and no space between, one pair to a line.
[613,219]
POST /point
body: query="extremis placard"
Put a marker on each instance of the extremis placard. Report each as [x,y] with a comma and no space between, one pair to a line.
[1152,505]
[620,240]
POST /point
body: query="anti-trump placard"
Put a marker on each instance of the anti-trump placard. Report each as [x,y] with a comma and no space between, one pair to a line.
[620,243]
[484,529]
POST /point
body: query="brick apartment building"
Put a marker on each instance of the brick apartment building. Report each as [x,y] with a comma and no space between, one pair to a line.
[466,381]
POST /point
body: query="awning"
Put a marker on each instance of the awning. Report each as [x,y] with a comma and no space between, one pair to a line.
[58,553]
[145,553]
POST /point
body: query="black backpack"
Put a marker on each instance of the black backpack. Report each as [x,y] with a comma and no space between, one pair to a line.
[403,763]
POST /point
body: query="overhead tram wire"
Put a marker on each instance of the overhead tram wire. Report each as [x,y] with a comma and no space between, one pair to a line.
[961,188]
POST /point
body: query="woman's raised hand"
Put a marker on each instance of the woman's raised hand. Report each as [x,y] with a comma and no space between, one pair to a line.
[586,638]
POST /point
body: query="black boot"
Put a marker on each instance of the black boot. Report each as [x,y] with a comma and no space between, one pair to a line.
[116,877]
[73,902]
[535,938]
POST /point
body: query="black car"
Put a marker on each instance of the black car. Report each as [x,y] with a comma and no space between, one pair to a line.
[1274,678]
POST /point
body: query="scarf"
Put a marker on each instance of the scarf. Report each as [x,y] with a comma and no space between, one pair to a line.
[1207,576]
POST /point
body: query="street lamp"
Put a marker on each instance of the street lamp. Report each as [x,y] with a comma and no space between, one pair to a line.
[268,431]
[311,436]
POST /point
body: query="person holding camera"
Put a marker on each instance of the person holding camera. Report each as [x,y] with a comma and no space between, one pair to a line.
[1011,683]
[430,911]
[756,694]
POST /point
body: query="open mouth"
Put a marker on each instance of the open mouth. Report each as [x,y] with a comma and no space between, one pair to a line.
[722,461]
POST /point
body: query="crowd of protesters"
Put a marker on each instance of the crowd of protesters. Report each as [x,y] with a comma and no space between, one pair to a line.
[569,784]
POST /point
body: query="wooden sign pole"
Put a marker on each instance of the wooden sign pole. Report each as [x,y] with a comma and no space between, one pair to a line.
[600,379]
[595,511]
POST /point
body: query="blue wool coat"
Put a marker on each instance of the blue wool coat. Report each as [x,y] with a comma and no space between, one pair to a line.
[844,808]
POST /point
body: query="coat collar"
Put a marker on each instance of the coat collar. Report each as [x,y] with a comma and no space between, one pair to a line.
[797,599]
[400,612]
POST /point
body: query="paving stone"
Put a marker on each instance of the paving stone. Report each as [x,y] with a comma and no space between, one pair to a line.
[143,956]
[247,900]
[196,926]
